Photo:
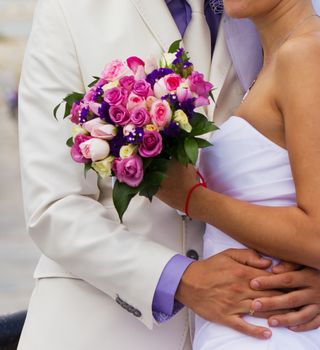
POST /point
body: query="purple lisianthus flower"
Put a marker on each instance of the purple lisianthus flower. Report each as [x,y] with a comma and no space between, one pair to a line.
[76,153]
[83,114]
[140,117]
[116,96]
[151,144]
[135,136]
[119,115]
[104,112]
[129,170]
[198,85]
[142,88]
[127,82]
[117,142]
[173,130]
[188,106]
[157,74]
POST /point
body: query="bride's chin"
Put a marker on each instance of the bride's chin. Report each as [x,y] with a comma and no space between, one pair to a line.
[248,8]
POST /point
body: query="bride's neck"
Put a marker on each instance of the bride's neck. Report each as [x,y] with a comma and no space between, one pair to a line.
[275,26]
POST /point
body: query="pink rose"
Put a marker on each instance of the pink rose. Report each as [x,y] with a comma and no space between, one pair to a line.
[135,101]
[127,82]
[76,153]
[94,107]
[151,144]
[95,149]
[172,81]
[119,115]
[161,113]
[199,85]
[183,93]
[89,96]
[116,96]
[115,70]
[142,88]
[140,117]
[75,113]
[140,73]
[160,88]
[129,170]
[92,124]
[151,64]
[201,101]
[134,63]
[104,131]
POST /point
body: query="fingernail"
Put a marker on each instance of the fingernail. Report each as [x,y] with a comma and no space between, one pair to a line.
[257,305]
[267,334]
[255,284]
[274,323]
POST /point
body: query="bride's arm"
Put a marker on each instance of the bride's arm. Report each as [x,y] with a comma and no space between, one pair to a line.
[289,233]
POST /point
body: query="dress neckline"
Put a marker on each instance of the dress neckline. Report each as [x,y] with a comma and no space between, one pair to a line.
[233,118]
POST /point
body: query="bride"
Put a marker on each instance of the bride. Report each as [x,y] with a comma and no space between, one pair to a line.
[262,174]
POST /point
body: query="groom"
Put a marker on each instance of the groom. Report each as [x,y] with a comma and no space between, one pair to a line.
[97,279]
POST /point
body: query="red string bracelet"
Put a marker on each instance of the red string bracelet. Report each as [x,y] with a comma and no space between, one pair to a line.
[201,183]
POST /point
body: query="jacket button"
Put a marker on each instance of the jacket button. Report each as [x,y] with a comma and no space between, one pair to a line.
[137,313]
[192,254]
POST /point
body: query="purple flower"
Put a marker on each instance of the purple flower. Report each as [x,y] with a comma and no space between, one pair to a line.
[151,144]
[116,96]
[135,136]
[116,143]
[83,114]
[104,112]
[129,170]
[188,106]
[119,115]
[76,153]
[140,117]
[127,82]
[157,74]
[142,88]
[173,130]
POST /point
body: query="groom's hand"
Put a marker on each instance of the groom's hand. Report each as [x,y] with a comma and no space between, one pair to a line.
[218,289]
[303,297]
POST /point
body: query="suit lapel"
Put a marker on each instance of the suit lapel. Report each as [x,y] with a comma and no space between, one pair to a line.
[221,63]
[157,17]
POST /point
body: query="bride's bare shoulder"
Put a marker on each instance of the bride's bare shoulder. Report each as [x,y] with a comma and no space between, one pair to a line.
[300,52]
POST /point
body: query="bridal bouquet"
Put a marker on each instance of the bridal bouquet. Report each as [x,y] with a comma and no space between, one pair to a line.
[135,118]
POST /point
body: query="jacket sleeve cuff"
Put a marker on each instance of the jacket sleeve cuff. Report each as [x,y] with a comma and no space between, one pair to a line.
[164,305]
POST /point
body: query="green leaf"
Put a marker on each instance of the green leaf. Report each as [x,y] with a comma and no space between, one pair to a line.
[174,46]
[191,148]
[122,195]
[87,167]
[151,184]
[212,97]
[201,125]
[159,165]
[96,79]
[70,100]
[70,142]
[146,163]
[55,111]
[181,155]
[202,143]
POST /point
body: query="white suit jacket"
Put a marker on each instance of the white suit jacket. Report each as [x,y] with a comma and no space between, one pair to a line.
[70,218]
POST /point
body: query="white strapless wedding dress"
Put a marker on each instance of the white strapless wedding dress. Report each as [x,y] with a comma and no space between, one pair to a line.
[246,165]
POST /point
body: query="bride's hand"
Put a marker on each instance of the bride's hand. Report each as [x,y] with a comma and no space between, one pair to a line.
[303,297]
[175,187]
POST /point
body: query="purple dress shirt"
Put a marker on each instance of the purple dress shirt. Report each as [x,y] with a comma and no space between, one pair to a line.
[164,304]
